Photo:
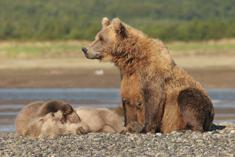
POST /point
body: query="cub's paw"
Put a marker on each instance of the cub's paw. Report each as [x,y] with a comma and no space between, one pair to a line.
[80,130]
[124,131]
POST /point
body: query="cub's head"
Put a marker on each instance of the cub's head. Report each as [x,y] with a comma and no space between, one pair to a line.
[107,40]
[50,125]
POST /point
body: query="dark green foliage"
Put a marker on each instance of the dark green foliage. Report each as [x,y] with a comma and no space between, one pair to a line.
[80,19]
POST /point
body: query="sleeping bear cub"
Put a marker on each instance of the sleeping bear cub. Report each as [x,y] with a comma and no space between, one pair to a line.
[53,118]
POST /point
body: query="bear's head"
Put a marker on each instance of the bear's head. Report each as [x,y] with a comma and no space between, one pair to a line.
[128,47]
[105,45]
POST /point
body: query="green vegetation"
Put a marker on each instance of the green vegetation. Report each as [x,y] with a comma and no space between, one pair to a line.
[79,19]
[41,49]
[213,48]
[72,49]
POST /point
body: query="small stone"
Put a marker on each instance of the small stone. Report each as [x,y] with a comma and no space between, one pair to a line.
[162,155]
[158,134]
[232,131]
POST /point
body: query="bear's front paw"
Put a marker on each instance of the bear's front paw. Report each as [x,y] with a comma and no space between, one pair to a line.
[134,127]
[148,128]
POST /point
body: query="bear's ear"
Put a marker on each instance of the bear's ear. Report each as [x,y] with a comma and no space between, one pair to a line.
[119,28]
[105,22]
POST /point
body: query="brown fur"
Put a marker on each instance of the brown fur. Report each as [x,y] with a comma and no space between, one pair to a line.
[51,119]
[118,110]
[100,120]
[151,81]
[36,111]
[52,125]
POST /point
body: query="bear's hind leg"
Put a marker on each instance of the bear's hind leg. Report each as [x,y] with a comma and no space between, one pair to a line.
[196,109]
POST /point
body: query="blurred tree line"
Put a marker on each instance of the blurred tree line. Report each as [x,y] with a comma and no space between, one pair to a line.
[80,19]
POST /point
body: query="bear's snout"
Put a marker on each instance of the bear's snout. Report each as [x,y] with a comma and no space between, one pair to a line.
[90,54]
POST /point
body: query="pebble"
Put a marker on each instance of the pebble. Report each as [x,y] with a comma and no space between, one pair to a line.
[188,143]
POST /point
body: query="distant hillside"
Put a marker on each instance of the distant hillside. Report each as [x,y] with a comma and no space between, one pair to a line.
[80,19]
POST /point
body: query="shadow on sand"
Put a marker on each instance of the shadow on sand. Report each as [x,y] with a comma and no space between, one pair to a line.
[217,127]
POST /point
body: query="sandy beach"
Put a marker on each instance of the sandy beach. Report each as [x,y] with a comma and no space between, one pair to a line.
[90,77]
[217,143]
[216,71]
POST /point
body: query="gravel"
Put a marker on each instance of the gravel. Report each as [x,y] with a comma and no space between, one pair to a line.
[219,142]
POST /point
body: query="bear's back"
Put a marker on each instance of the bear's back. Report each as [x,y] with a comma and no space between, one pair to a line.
[26,115]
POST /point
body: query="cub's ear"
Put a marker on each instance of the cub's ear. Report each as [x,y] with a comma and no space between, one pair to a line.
[105,22]
[119,28]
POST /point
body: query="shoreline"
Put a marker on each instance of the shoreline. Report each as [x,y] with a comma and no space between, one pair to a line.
[99,77]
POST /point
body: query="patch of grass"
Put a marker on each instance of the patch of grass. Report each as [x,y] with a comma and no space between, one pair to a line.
[221,47]
[70,49]
[41,49]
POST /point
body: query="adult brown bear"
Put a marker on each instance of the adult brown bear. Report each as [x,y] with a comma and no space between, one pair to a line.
[155,91]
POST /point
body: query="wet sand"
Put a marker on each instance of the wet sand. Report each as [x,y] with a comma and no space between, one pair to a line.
[87,77]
